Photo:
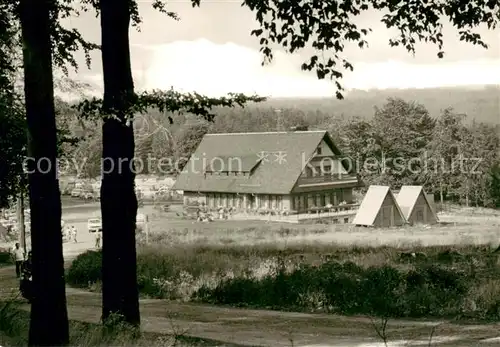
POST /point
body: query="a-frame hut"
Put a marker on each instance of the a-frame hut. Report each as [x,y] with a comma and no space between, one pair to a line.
[416,207]
[379,209]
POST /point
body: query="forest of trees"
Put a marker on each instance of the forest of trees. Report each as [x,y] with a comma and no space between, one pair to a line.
[454,156]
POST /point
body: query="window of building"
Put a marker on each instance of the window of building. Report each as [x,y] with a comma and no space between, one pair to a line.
[327,170]
[333,199]
[346,220]
[318,151]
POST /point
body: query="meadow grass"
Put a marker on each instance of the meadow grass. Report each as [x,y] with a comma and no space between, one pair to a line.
[476,226]
[444,270]
[428,281]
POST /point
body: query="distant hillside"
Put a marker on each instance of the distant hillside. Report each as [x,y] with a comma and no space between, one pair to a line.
[479,103]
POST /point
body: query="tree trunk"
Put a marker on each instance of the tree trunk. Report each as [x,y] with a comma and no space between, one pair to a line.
[21,221]
[49,317]
[466,195]
[441,198]
[118,201]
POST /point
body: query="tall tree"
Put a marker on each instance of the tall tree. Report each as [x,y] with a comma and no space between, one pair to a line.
[187,140]
[442,150]
[478,152]
[401,131]
[12,122]
[45,201]
[119,105]
[118,200]
[494,185]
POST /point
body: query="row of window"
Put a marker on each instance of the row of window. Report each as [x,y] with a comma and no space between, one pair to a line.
[306,201]
[238,200]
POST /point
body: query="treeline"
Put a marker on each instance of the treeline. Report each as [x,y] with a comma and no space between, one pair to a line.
[399,143]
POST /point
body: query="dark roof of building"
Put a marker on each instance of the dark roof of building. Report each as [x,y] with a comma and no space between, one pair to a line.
[233,163]
[276,158]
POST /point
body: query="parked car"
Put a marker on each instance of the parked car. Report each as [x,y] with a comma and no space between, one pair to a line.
[87,195]
[76,193]
[94,225]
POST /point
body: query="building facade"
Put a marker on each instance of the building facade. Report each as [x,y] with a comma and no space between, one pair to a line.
[292,171]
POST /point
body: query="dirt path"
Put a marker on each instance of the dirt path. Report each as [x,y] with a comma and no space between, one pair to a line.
[272,328]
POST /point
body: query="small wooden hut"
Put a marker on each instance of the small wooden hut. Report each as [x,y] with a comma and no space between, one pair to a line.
[379,209]
[415,204]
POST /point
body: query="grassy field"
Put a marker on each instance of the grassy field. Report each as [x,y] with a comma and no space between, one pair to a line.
[441,271]
[460,226]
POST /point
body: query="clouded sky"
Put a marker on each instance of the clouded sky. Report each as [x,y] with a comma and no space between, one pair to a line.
[210,51]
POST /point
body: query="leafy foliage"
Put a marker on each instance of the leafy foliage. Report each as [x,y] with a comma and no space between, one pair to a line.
[188,140]
[167,101]
[12,150]
[494,185]
[12,123]
[327,26]
[439,284]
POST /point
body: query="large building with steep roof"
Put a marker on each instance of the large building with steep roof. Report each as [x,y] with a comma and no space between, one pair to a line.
[294,170]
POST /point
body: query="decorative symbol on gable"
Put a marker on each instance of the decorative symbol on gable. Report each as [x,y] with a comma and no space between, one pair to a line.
[263,156]
[280,157]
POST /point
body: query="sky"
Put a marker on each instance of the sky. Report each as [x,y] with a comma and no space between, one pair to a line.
[210,51]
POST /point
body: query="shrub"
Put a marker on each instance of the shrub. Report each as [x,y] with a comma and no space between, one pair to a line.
[349,289]
[360,280]
[85,269]
[5,258]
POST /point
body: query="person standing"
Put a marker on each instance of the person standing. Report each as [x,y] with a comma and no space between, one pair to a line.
[74,233]
[98,240]
[18,254]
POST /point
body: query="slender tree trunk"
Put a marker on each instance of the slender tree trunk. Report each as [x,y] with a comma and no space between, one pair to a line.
[49,317]
[118,199]
[20,221]
[441,197]
[467,203]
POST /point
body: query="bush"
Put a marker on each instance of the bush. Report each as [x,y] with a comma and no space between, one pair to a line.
[5,258]
[85,269]
[348,289]
[373,281]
